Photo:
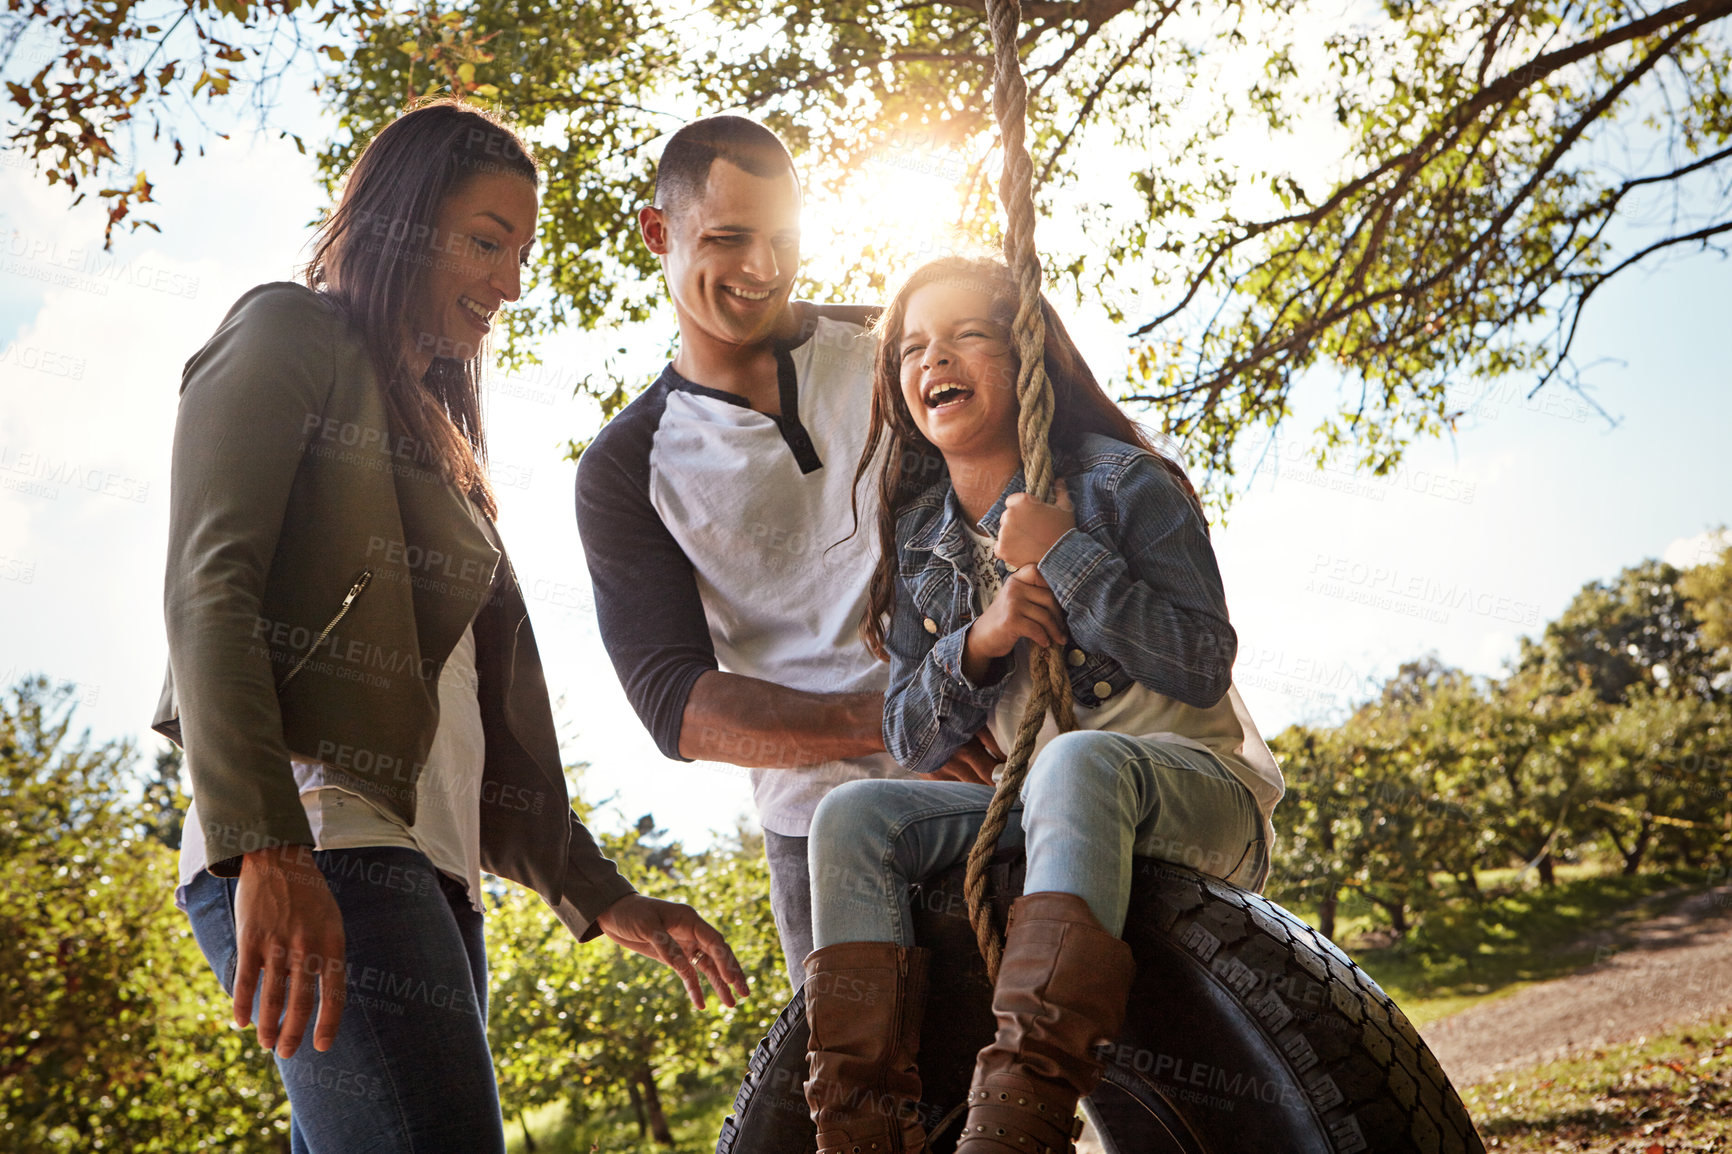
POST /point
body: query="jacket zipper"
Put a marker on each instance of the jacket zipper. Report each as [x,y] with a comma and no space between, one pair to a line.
[361,583]
[901,988]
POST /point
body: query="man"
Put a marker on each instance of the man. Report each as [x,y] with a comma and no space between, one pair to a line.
[716,513]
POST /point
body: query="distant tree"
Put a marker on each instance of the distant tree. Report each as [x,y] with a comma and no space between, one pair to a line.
[598,1027]
[114,1035]
[1315,824]
[163,805]
[1659,778]
[1525,751]
[1707,590]
[1381,802]
[1638,629]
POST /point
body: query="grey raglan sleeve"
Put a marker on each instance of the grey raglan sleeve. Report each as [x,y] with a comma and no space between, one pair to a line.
[646,593]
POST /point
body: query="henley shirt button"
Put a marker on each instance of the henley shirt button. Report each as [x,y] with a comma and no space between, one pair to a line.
[1076,657]
[1103,689]
[931,625]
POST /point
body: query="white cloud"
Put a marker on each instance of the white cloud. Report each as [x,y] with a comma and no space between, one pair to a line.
[1699,549]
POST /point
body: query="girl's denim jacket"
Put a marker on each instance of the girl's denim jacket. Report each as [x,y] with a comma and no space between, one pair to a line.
[1136,578]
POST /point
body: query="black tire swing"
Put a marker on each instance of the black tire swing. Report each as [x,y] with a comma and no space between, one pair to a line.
[1246,1029]
[1247,1032]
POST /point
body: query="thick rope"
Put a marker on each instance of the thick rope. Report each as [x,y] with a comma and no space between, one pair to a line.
[1034,396]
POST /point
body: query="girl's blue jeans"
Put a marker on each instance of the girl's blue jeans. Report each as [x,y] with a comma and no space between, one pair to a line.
[1091,800]
[410,1070]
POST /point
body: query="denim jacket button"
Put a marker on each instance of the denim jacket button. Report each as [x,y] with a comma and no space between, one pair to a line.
[931,625]
[1103,689]
[1076,657]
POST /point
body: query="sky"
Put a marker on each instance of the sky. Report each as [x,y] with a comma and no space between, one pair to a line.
[1333,578]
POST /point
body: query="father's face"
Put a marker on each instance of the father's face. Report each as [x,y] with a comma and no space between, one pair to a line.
[730,256]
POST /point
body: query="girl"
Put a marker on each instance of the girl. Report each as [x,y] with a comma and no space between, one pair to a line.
[1165,762]
[351,667]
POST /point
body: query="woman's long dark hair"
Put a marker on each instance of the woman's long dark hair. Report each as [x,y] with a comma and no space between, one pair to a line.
[371,254]
[912,464]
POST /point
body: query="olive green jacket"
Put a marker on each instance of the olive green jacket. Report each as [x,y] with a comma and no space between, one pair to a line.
[319,575]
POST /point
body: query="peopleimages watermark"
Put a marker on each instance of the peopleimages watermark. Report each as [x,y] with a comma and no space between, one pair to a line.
[919,152]
[88,692]
[577,596]
[17,569]
[36,359]
[1310,678]
[540,383]
[43,475]
[1412,594]
[1486,400]
[41,258]
[1295,464]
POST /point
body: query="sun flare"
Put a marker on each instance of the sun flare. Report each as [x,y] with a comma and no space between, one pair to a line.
[897,208]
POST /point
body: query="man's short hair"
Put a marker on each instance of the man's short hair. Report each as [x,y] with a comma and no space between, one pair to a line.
[684,168]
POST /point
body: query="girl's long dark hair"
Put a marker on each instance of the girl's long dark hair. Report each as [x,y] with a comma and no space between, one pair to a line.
[912,464]
[374,250]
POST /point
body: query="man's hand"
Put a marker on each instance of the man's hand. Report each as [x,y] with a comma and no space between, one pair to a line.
[288,937]
[674,934]
[1029,528]
[972,763]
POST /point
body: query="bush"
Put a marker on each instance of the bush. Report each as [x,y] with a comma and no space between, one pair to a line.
[114,1035]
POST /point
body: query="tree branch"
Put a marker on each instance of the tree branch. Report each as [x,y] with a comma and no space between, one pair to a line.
[1100,87]
[1503,89]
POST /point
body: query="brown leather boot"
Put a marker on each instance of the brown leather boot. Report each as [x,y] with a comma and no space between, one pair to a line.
[1062,988]
[864,1001]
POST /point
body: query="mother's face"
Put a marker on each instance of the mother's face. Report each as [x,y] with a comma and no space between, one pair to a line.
[482,235]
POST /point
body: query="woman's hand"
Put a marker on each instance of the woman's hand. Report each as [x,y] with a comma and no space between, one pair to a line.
[1024,607]
[674,934]
[1029,527]
[288,936]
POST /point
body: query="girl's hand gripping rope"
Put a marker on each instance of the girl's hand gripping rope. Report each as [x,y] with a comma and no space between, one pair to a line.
[1029,527]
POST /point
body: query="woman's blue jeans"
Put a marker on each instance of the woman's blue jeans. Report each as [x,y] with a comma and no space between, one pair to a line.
[410,1070]
[1091,800]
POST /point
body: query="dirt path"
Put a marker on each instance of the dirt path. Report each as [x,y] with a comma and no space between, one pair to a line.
[1666,971]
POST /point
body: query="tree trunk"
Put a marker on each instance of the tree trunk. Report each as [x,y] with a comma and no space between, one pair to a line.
[1468,882]
[653,1105]
[1396,908]
[1633,859]
[1547,878]
[1326,915]
[637,1107]
[1326,839]
[528,1138]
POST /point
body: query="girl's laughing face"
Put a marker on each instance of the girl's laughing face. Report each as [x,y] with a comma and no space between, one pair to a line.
[958,370]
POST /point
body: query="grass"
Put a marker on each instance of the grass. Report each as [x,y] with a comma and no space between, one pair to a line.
[695,1122]
[1521,933]
[1660,1095]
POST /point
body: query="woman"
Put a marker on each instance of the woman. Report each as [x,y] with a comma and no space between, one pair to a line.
[1119,573]
[351,668]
